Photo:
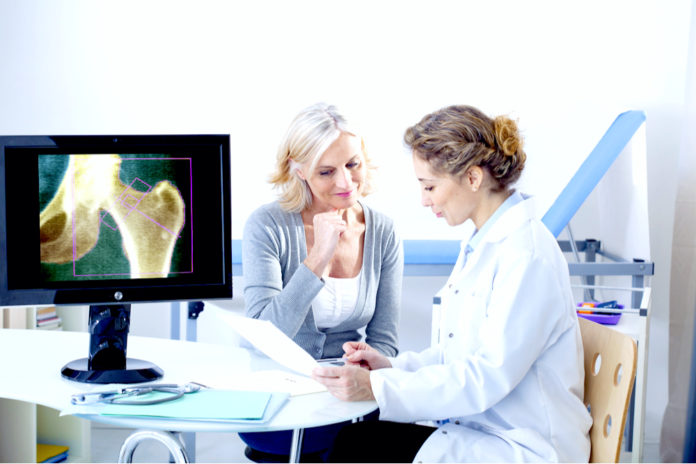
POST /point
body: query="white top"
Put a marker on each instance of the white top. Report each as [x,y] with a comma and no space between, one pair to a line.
[336,301]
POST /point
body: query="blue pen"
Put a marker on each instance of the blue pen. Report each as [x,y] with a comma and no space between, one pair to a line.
[611,304]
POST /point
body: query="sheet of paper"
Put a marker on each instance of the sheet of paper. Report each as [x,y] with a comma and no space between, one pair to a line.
[275,380]
[271,341]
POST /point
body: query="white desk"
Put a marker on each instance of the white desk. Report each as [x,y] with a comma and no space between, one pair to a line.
[30,362]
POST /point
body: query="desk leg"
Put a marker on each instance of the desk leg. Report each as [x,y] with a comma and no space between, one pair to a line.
[296,445]
[189,440]
[168,439]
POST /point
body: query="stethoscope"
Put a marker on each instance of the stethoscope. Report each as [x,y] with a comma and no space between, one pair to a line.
[134,395]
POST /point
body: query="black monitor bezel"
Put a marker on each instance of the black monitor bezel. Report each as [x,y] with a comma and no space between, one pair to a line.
[190,288]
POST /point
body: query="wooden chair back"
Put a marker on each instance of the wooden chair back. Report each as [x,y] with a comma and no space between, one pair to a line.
[610,371]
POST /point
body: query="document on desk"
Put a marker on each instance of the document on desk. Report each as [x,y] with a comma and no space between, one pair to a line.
[271,341]
[275,380]
[208,405]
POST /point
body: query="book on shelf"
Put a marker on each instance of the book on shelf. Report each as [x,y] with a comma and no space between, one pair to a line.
[47,318]
[49,323]
[51,453]
[45,312]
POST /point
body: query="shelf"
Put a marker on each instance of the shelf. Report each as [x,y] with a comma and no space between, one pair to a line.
[25,424]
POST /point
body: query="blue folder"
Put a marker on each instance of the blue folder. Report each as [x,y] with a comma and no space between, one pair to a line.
[208,405]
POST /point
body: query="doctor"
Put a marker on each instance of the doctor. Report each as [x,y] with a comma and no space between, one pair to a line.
[505,382]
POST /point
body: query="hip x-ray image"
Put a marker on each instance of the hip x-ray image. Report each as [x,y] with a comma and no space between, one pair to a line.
[114,216]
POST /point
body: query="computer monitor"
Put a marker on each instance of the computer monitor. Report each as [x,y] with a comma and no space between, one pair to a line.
[111,220]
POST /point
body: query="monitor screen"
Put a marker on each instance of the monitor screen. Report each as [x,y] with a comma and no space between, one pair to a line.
[111,220]
[114,219]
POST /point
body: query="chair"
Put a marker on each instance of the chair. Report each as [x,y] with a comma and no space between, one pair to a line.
[610,371]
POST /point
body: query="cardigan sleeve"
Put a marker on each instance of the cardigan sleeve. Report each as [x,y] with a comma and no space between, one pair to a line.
[267,255]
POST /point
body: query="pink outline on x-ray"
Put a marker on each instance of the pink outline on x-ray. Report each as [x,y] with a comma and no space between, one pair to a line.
[131,203]
[123,200]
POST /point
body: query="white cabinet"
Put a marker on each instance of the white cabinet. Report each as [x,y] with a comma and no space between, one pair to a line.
[22,424]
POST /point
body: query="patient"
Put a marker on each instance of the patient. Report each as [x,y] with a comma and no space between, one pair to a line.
[319,263]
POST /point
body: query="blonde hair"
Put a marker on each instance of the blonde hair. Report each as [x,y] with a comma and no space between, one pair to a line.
[457,137]
[310,133]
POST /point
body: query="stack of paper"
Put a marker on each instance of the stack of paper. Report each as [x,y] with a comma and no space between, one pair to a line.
[47,318]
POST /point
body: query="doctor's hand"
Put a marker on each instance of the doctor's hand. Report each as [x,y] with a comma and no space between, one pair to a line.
[347,383]
[362,354]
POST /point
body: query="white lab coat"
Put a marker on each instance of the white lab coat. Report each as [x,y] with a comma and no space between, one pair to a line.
[506,379]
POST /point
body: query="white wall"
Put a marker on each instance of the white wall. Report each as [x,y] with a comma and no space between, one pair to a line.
[565,69]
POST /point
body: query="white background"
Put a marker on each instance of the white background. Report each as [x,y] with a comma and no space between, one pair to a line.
[566,69]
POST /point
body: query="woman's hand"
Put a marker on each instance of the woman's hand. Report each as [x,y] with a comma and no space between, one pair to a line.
[362,354]
[327,228]
[347,383]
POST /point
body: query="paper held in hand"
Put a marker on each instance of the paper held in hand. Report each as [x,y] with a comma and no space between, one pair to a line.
[271,341]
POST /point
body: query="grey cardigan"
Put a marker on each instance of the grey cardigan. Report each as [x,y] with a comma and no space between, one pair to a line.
[278,287]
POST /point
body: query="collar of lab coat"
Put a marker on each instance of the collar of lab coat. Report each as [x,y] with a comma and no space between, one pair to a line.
[511,220]
[515,198]
[514,217]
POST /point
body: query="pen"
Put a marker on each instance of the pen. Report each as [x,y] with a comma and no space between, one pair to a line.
[332,361]
[592,307]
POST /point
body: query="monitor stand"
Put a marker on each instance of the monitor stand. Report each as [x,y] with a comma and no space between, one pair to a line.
[107,361]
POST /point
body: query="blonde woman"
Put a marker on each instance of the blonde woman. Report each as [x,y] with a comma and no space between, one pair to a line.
[318,262]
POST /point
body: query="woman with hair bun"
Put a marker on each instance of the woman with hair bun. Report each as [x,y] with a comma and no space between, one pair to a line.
[505,381]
